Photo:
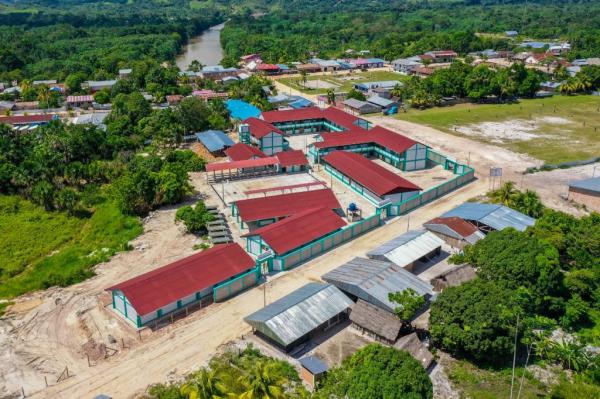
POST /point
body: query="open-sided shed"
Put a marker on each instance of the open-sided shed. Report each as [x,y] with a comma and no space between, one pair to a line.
[408,248]
[292,319]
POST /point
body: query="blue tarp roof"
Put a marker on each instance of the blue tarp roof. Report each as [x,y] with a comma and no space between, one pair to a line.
[497,217]
[242,110]
[313,364]
[214,140]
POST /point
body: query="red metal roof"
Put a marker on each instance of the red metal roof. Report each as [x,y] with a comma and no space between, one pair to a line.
[332,114]
[153,290]
[24,119]
[378,135]
[248,163]
[267,67]
[242,152]
[279,206]
[460,226]
[260,128]
[375,178]
[291,158]
[299,229]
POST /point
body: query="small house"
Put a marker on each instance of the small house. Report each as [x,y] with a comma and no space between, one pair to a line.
[80,101]
[359,107]
[586,192]
[312,370]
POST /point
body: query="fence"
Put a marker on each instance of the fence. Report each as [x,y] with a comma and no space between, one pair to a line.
[465,174]
[238,284]
[326,243]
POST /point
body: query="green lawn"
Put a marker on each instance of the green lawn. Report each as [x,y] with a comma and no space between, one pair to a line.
[575,136]
[479,383]
[40,249]
[342,84]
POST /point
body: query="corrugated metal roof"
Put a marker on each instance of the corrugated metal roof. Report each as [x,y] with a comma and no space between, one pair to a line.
[408,247]
[299,229]
[370,175]
[214,140]
[157,288]
[455,227]
[495,216]
[242,152]
[372,280]
[241,110]
[592,184]
[278,206]
[380,101]
[313,364]
[291,158]
[300,312]
[248,163]
[378,135]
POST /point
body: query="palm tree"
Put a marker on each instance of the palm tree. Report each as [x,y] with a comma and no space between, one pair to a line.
[263,381]
[505,194]
[303,77]
[529,203]
[206,384]
[44,95]
[330,96]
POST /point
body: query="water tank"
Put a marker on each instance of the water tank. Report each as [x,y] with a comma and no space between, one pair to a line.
[352,207]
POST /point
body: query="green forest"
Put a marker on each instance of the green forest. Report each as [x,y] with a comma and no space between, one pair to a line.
[401,29]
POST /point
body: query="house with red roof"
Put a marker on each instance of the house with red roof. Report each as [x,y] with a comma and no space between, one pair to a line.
[292,161]
[369,179]
[193,282]
[400,151]
[268,69]
[243,152]
[455,231]
[268,138]
[293,232]
[312,120]
[257,212]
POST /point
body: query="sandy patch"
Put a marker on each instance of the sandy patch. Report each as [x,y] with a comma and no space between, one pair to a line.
[511,130]
[320,84]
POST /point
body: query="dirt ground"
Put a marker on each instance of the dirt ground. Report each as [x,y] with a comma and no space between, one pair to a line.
[57,328]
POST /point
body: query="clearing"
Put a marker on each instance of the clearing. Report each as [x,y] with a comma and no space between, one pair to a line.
[556,129]
[339,81]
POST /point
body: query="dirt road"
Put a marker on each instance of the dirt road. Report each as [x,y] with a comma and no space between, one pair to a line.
[58,328]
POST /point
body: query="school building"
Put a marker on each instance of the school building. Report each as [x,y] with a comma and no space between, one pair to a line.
[193,282]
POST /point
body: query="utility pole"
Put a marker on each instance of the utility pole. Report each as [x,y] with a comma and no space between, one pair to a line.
[512,380]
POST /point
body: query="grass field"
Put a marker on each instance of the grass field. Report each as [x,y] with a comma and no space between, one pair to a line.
[556,129]
[41,249]
[474,382]
[342,81]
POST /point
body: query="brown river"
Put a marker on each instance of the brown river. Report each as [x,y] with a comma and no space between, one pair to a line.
[206,48]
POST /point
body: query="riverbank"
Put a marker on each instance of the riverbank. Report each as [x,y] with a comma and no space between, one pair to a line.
[205,48]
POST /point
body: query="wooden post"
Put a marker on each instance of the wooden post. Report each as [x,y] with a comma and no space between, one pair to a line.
[22,392]
[88,359]
[140,334]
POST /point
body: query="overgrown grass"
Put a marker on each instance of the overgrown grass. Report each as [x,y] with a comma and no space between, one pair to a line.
[577,389]
[41,249]
[575,140]
[474,382]
[344,85]
[591,335]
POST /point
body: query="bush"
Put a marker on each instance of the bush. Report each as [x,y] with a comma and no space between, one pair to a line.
[377,372]
[476,320]
[194,219]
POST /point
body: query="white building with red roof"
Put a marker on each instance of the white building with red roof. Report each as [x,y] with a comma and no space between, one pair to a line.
[205,277]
